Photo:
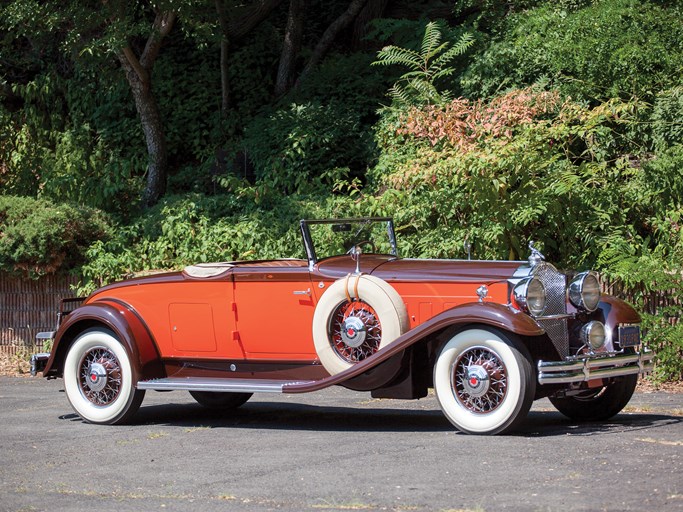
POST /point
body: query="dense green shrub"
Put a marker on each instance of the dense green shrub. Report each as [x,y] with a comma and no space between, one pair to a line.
[667,118]
[528,166]
[609,48]
[655,282]
[39,237]
[304,147]
[71,143]
[347,80]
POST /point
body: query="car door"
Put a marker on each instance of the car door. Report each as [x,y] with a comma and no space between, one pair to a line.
[274,308]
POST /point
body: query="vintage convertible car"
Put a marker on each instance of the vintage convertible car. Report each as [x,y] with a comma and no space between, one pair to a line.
[488,336]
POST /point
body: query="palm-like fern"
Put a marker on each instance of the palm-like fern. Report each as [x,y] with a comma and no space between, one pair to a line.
[425,68]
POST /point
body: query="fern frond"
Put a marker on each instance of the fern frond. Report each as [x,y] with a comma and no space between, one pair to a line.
[435,51]
[417,86]
[399,94]
[442,73]
[464,43]
[431,39]
[390,55]
[425,90]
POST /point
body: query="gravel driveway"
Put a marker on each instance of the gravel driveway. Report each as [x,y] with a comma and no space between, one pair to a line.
[335,450]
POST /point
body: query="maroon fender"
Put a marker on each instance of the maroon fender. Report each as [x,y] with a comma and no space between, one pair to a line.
[616,311]
[486,313]
[126,324]
[612,312]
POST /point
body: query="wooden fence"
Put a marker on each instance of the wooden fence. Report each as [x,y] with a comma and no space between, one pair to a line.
[653,302]
[29,306]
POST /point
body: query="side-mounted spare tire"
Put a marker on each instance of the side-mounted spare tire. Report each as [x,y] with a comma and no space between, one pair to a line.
[355,317]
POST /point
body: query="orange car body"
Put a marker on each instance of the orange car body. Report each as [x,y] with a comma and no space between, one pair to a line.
[257,326]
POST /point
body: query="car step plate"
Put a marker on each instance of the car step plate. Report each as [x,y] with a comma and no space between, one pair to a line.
[217,385]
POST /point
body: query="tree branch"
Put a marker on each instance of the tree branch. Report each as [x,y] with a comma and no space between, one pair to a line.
[225,47]
[163,23]
[259,11]
[129,61]
[329,36]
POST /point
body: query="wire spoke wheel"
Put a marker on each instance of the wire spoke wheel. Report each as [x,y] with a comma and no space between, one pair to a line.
[99,379]
[355,331]
[484,381]
[479,380]
[100,376]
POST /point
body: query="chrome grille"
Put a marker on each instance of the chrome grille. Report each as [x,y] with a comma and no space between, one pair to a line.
[555,284]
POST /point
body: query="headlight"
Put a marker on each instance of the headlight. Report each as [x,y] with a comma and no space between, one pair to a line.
[593,334]
[530,294]
[584,291]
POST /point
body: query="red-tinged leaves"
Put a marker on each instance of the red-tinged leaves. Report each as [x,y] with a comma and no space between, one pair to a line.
[465,124]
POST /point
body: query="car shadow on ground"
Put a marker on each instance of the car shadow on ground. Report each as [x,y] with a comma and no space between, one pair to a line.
[304,417]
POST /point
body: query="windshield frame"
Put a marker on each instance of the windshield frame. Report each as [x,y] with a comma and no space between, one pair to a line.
[309,246]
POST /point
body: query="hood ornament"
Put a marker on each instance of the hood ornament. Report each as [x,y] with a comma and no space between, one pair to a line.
[535,258]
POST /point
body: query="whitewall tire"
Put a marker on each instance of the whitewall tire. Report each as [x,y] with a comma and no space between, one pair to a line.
[484,381]
[347,332]
[98,379]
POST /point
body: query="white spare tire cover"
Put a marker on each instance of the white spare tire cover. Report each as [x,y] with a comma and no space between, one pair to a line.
[346,332]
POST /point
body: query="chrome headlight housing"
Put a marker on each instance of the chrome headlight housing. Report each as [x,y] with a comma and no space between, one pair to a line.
[594,335]
[530,294]
[584,291]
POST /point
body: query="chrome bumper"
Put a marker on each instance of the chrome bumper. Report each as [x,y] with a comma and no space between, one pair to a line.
[582,369]
[38,362]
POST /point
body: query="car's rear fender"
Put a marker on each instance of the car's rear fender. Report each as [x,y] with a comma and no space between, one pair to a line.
[123,321]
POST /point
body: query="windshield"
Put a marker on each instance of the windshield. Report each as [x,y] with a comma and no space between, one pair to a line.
[331,237]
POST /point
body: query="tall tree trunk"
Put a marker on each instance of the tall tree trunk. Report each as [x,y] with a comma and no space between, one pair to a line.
[153,129]
[329,36]
[290,46]
[139,75]
[225,49]
[234,30]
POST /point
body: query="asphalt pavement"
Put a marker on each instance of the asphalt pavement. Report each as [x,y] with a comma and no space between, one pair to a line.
[335,450]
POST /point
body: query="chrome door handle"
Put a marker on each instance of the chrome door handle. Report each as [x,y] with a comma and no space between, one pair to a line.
[302,292]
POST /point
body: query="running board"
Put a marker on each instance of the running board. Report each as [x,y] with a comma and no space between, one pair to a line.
[218,385]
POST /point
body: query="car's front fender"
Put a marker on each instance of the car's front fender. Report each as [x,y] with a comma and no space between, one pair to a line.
[480,313]
[126,324]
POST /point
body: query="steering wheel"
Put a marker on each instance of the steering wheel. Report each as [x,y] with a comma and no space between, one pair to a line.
[363,242]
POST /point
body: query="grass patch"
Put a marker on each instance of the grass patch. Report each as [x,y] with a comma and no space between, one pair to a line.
[15,361]
[156,435]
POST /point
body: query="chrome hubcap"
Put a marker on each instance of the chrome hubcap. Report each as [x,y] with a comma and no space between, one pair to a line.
[353,332]
[97,378]
[100,376]
[479,380]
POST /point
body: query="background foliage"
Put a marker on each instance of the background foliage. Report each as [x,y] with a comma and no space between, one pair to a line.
[489,122]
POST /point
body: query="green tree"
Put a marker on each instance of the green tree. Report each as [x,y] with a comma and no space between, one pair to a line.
[132,31]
